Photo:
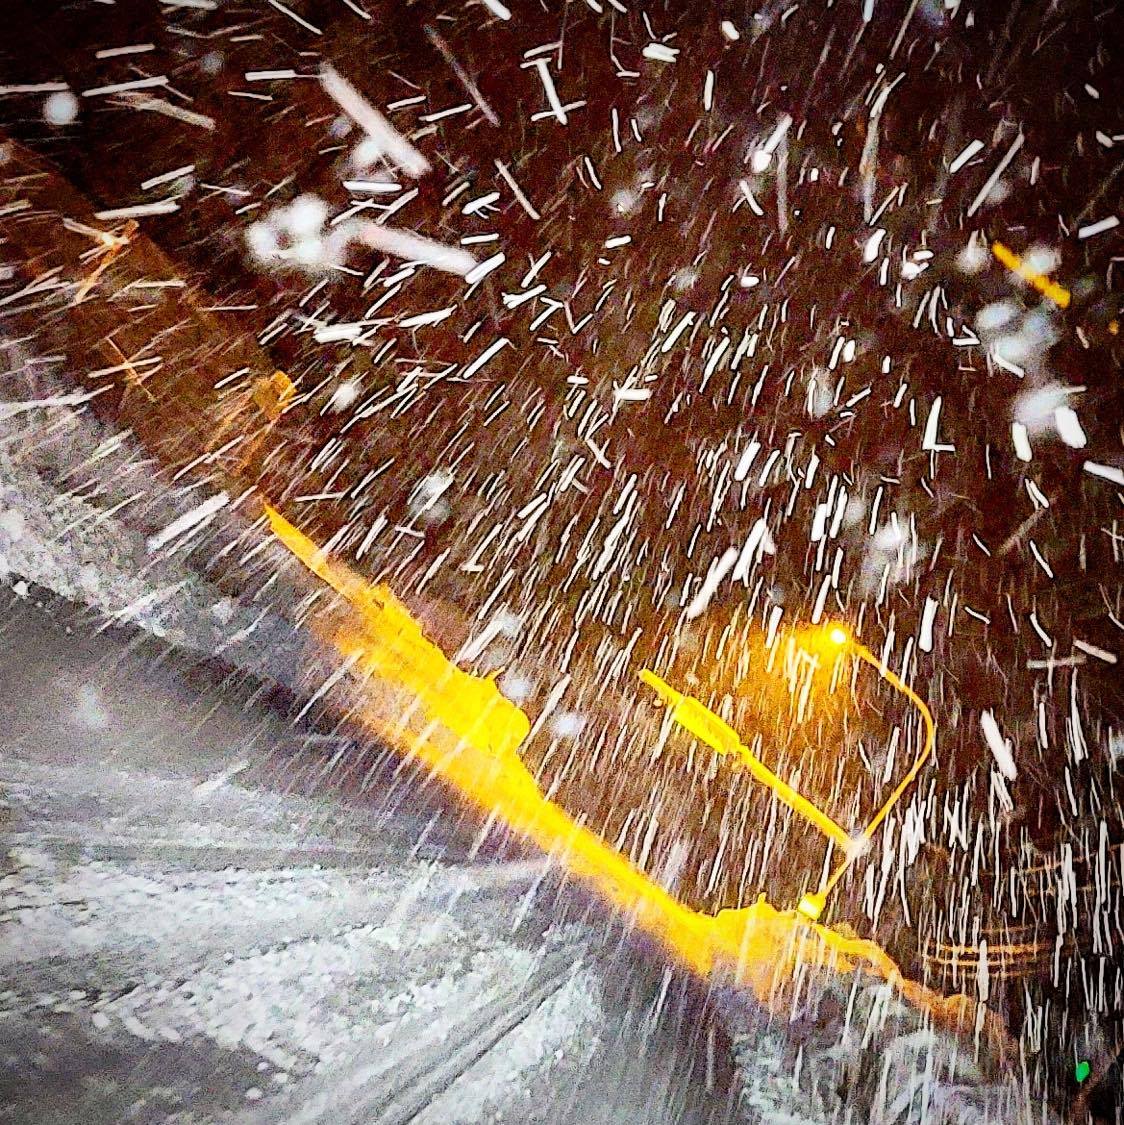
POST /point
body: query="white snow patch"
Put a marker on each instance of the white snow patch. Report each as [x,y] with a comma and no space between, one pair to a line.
[12,525]
[563,1029]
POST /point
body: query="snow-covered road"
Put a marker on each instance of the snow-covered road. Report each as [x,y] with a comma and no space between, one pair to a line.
[182,939]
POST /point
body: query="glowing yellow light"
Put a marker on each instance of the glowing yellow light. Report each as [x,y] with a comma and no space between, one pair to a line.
[838,635]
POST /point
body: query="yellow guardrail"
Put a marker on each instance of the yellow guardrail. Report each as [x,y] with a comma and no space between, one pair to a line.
[465,733]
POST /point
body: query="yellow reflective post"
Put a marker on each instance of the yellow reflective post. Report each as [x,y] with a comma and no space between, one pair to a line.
[706,726]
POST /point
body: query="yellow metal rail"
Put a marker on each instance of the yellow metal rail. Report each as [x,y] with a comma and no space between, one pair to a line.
[709,728]
[928,746]
[1051,289]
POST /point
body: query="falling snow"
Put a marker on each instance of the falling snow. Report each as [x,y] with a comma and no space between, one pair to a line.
[615,338]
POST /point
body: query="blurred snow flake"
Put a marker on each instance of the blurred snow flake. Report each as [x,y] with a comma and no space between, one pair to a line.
[90,710]
[517,687]
[427,501]
[344,396]
[295,235]
[567,724]
[973,258]
[60,108]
